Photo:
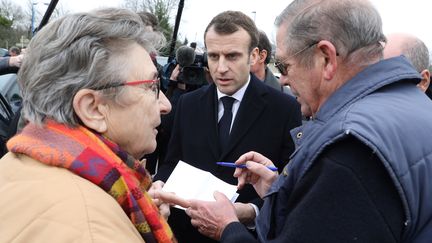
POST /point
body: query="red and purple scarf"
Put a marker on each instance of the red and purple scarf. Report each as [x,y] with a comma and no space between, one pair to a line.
[102,162]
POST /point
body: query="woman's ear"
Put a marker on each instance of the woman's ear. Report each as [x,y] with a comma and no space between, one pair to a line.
[90,108]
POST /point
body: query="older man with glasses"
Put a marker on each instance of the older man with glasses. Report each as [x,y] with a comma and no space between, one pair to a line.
[362,167]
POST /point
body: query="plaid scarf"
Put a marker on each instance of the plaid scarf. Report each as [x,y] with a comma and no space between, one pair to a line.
[102,162]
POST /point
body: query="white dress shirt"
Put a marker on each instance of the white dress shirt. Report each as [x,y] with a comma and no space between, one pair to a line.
[238,96]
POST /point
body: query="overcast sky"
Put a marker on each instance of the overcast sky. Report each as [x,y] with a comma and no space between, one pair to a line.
[409,16]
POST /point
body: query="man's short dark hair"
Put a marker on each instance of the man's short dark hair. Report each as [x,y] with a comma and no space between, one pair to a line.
[15,49]
[264,44]
[229,22]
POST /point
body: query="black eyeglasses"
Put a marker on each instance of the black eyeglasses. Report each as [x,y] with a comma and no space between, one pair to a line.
[155,85]
[283,68]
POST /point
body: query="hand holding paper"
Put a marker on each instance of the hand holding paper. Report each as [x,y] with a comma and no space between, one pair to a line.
[188,182]
[164,208]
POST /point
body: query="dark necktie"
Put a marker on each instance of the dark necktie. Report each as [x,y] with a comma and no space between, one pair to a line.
[225,122]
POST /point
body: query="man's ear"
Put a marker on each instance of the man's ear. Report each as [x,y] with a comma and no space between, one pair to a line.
[425,81]
[254,56]
[329,54]
[262,55]
[90,108]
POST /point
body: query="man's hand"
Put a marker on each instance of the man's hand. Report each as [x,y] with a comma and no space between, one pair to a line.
[15,61]
[245,213]
[164,208]
[255,173]
[211,218]
[175,73]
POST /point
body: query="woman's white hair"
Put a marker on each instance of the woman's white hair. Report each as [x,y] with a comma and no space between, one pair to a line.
[81,50]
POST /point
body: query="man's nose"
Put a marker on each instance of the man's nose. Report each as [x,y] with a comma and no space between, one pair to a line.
[222,65]
[284,80]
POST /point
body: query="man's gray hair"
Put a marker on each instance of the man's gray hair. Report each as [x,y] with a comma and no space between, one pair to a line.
[417,52]
[82,50]
[354,27]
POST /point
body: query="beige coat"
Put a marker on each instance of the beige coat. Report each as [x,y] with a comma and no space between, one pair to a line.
[40,203]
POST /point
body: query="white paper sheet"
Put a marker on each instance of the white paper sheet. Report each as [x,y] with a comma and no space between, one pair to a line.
[189,182]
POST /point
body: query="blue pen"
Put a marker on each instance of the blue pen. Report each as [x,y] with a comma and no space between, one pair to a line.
[230,164]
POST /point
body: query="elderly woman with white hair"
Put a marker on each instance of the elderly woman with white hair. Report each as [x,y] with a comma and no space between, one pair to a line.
[92,102]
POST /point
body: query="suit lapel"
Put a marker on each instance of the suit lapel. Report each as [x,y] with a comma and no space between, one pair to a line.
[251,108]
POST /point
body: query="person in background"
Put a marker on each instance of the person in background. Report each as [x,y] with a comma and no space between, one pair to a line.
[151,23]
[92,101]
[14,51]
[10,64]
[260,68]
[233,115]
[362,167]
[193,45]
[415,50]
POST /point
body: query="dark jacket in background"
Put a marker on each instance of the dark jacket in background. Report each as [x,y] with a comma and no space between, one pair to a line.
[274,82]
[5,68]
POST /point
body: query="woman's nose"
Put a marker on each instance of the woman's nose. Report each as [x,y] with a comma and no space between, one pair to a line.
[164,104]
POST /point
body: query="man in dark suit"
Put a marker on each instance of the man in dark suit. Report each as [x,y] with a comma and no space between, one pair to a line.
[260,119]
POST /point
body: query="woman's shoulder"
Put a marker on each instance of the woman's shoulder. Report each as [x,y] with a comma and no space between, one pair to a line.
[46,201]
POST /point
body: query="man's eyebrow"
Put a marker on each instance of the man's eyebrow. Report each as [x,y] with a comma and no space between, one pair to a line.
[233,52]
[225,52]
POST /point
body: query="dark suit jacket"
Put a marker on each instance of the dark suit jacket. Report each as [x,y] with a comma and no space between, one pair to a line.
[262,123]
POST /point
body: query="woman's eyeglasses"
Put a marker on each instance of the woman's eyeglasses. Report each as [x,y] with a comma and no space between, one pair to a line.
[154,85]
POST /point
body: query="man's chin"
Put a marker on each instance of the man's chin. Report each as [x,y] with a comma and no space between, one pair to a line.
[228,90]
